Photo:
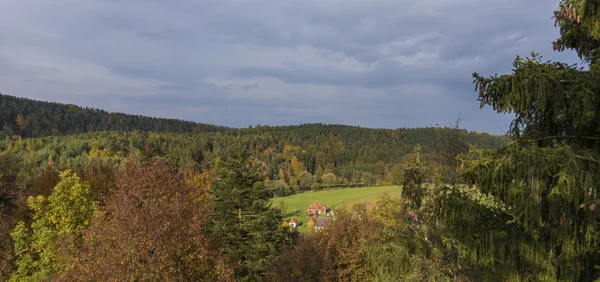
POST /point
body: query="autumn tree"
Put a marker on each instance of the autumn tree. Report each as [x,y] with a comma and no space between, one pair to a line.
[21,123]
[45,180]
[64,215]
[151,230]
[101,174]
[530,213]
[335,254]
[297,166]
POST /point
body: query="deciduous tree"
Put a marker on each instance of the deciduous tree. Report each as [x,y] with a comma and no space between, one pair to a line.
[65,214]
[150,230]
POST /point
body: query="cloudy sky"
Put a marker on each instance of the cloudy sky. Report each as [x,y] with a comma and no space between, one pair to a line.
[375,63]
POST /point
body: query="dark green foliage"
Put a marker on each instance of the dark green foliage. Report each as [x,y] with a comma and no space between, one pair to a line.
[8,182]
[346,151]
[247,227]
[30,118]
[530,213]
[579,28]
[414,180]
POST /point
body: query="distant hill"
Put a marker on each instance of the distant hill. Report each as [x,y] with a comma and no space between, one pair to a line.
[31,118]
[292,155]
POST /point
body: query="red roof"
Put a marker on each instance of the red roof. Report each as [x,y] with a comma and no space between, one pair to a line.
[294,220]
[369,206]
[317,206]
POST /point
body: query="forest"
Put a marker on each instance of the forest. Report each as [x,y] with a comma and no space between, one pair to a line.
[285,160]
[87,195]
[295,157]
[29,118]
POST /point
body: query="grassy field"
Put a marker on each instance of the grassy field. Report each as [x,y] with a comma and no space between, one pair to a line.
[334,199]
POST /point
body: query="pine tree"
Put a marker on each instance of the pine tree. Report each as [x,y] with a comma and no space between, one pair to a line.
[247,227]
[530,211]
[413,184]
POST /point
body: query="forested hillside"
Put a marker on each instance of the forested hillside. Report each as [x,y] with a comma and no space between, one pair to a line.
[287,159]
[114,197]
[354,155]
[295,157]
[30,118]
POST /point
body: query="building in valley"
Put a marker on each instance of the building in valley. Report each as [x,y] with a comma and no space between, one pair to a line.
[316,208]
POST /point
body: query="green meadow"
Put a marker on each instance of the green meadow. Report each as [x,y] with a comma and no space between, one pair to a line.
[333,199]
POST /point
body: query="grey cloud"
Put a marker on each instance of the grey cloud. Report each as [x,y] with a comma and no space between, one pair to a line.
[346,61]
[251,86]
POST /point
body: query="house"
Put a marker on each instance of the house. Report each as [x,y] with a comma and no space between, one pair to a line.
[312,221]
[293,223]
[369,207]
[321,224]
[316,208]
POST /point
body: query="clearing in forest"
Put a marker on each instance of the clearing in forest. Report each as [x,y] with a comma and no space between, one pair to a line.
[334,199]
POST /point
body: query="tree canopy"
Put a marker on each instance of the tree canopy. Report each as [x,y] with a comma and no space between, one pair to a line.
[530,212]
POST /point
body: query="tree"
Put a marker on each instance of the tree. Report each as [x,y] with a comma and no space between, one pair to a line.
[336,254]
[282,207]
[281,174]
[395,174]
[8,182]
[45,180]
[379,169]
[21,123]
[247,227]
[449,146]
[404,249]
[306,180]
[304,261]
[150,229]
[415,176]
[315,186]
[278,187]
[63,215]
[329,179]
[101,175]
[530,212]
[297,166]
[11,212]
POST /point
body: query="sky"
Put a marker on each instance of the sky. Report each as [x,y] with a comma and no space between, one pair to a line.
[376,63]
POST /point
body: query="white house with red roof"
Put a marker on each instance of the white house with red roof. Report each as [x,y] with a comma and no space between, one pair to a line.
[316,208]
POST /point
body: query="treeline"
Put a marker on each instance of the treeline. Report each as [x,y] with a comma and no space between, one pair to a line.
[295,158]
[29,118]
